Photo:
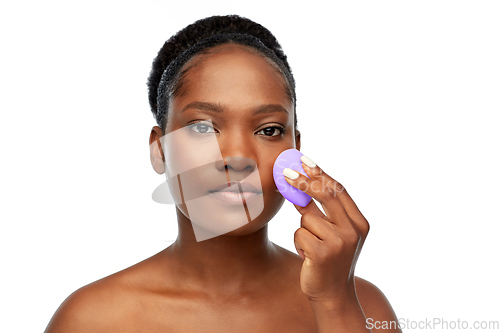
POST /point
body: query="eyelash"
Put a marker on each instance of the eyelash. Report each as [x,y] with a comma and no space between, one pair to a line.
[279,127]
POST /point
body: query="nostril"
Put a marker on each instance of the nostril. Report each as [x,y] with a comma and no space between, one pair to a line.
[220,165]
[240,163]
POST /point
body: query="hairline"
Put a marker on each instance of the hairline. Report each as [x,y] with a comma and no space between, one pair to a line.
[197,59]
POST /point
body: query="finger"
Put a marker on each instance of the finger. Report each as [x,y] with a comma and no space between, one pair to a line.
[311,207]
[337,190]
[313,186]
[319,227]
[305,243]
[357,218]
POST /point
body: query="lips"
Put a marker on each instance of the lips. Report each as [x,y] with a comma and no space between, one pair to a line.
[235,187]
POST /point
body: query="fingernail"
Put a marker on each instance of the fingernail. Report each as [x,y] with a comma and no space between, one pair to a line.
[307,161]
[289,173]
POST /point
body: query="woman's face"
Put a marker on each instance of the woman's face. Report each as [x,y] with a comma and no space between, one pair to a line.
[230,121]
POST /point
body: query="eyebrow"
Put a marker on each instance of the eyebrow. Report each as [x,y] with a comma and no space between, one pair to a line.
[217,108]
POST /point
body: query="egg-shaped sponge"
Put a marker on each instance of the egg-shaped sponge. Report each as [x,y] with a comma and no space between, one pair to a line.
[290,158]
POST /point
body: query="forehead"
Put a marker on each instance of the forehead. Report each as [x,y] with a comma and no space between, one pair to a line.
[234,74]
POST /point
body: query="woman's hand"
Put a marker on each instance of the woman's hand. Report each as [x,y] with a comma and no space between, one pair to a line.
[329,244]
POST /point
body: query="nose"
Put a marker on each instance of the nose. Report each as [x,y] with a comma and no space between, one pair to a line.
[237,154]
[239,164]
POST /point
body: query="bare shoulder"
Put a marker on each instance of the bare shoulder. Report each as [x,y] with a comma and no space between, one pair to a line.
[100,306]
[374,304]
[87,309]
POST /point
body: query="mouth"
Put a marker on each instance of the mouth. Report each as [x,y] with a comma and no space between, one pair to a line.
[236,187]
[236,192]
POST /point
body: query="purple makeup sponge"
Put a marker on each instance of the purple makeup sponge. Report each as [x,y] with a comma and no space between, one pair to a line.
[290,158]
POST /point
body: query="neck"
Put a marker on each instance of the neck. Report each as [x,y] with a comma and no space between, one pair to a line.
[223,265]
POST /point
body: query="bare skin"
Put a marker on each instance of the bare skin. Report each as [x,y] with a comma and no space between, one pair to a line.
[236,282]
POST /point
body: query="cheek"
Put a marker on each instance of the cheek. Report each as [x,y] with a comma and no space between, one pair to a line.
[184,151]
[271,194]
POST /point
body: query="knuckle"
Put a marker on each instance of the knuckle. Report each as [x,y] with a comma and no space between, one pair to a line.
[303,186]
[307,217]
[338,187]
[329,193]
[354,237]
[332,189]
[340,243]
[366,229]
[317,171]
[297,234]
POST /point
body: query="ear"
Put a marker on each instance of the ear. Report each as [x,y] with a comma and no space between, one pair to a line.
[156,151]
[297,140]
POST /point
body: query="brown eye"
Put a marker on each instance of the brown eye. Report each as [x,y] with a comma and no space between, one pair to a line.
[272,131]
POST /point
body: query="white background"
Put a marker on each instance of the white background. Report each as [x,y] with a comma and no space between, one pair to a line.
[397,100]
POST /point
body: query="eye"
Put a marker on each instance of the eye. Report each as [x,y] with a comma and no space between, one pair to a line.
[201,128]
[273,131]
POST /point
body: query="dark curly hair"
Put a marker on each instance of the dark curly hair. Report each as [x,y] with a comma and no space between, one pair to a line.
[167,73]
